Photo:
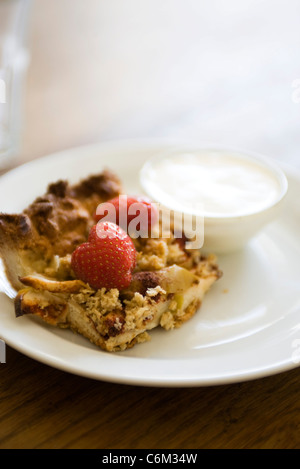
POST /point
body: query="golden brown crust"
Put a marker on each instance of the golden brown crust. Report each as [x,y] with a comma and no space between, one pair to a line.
[53,225]
[16,236]
[61,224]
[51,309]
[53,286]
[63,217]
[15,228]
[96,189]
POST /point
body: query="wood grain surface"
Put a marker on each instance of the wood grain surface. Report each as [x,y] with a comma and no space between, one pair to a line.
[89,80]
[41,407]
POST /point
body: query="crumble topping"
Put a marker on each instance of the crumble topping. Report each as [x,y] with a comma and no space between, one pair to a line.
[167,321]
[101,300]
[156,254]
[110,316]
[138,309]
[206,266]
[113,312]
[176,255]
[155,291]
[170,318]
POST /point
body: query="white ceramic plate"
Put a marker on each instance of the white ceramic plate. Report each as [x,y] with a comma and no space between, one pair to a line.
[247,328]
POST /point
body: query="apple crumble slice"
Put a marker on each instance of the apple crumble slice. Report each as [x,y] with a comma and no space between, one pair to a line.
[111,292]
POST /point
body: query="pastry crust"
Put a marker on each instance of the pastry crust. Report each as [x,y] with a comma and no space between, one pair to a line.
[52,226]
[168,285]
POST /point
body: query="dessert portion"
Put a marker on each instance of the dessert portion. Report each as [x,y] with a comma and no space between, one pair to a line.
[74,269]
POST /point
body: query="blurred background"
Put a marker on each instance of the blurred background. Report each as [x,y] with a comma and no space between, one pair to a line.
[203,70]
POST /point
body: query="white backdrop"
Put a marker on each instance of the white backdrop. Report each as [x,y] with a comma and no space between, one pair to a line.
[212,70]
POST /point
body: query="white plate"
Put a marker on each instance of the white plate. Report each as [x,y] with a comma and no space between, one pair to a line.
[248,326]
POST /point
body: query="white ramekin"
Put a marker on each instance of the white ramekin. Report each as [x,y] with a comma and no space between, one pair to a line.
[226,233]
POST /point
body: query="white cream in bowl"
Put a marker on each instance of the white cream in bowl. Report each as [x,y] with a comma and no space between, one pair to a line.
[237,192]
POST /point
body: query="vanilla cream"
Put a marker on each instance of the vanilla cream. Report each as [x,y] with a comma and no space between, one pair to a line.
[224,183]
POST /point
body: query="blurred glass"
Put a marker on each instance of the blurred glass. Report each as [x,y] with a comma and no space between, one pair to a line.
[14,58]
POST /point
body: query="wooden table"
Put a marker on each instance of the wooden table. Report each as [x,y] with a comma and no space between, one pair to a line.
[90,80]
[44,408]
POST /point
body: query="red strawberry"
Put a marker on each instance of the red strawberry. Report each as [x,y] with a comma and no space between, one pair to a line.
[107,259]
[123,210]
